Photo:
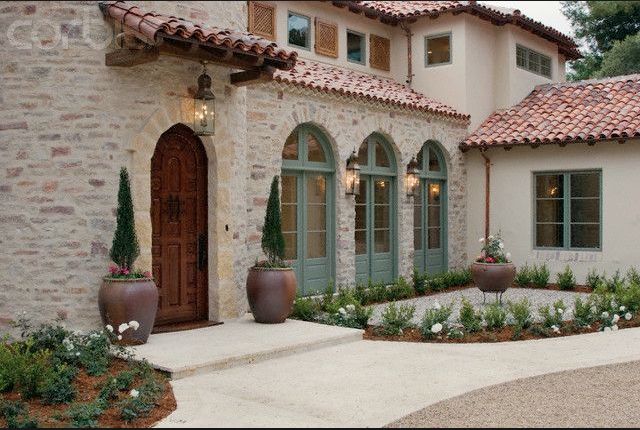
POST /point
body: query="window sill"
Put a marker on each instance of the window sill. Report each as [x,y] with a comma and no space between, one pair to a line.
[567,255]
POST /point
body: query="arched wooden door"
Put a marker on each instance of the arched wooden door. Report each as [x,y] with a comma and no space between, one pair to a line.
[179,223]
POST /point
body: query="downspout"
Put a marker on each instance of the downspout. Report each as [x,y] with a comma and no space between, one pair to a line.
[407,31]
[487,192]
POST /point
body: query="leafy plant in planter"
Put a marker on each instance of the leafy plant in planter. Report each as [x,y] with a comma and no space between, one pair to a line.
[271,284]
[127,296]
[493,270]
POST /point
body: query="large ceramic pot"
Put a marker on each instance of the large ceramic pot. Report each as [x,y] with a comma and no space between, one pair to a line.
[271,293]
[124,300]
[493,277]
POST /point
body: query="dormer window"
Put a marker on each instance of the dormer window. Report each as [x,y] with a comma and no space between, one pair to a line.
[356,47]
[299,30]
[533,61]
[438,49]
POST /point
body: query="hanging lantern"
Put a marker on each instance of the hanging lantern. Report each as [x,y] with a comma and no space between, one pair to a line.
[205,106]
[413,178]
[353,175]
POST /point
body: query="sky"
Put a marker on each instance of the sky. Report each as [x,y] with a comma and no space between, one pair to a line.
[547,12]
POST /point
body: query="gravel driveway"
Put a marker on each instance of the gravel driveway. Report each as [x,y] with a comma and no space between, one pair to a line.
[536,298]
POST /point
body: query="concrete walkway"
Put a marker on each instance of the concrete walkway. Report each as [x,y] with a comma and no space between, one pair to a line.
[367,383]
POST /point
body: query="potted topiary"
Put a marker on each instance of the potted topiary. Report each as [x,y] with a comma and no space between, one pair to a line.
[271,284]
[128,298]
[493,270]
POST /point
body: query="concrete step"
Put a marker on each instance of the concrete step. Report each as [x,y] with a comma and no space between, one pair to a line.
[236,343]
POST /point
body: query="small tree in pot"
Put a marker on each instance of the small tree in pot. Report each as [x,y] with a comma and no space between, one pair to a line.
[128,298]
[271,284]
[493,270]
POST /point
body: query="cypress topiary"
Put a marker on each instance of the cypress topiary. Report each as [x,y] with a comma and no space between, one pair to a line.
[124,249]
[272,237]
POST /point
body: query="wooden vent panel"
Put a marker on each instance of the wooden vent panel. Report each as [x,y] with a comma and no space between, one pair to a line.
[326,38]
[262,20]
[380,52]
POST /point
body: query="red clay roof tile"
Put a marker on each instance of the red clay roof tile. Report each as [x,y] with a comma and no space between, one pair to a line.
[566,112]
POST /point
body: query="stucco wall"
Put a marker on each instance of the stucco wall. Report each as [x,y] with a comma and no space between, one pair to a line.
[512,203]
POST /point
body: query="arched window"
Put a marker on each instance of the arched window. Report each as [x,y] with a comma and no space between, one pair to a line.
[375,217]
[430,211]
[308,207]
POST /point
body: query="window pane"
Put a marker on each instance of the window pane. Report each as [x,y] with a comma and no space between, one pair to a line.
[549,186]
[290,151]
[381,156]
[355,47]
[434,238]
[316,189]
[419,158]
[382,242]
[298,27]
[434,216]
[585,235]
[363,154]
[361,242]
[290,246]
[381,191]
[381,216]
[361,217]
[521,57]
[434,163]
[585,185]
[534,61]
[549,210]
[289,189]
[438,49]
[316,244]
[545,65]
[417,216]
[417,238]
[433,194]
[289,217]
[585,210]
[316,217]
[314,149]
[549,235]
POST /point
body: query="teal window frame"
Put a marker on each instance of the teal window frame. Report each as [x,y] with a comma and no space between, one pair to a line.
[566,212]
[308,38]
[363,46]
[426,48]
[527,61]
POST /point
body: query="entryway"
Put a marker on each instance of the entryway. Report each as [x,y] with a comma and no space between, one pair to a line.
[179,226]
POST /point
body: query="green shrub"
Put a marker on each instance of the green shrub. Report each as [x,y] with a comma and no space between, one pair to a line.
[470,318]
[94,353]
[627,297]
[437,284]
[377,292]
[614,282]
[305,309]
[16,413]
[58,388]
[327,297]
[521,312]
[435,319]
[352,315]
[552,316]
[34,370]
[495,316]
[603,299]
[83,415]
[524,276]
[455,333]
[125,249]
[399,290]
[361,293]
[633,276]
[584,313]
[566,280]
[272,237]
[133,407]
[419,283]
[112,386]
[540,275]
[395,318]
[593,279]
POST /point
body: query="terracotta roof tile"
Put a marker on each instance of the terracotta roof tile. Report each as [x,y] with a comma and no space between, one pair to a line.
[152,24]
[566,112]
[355,84]
[402,10]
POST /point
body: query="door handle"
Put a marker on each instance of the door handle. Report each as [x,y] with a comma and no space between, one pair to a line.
[202,251]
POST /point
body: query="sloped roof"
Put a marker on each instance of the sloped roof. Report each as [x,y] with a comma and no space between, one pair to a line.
[584,111]
[152,25]
[347,82]
[395,11]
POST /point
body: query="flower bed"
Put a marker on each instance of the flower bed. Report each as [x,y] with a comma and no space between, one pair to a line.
[52,377]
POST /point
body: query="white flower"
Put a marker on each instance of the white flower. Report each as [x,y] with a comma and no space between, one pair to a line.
[436,305]
[622,308]
[627,316]
[351,308]
[508,256]
[593,309]
[78,354]
[614,327]
[109,327]
[607,329]
[436,328]
[134,393]
[560,311]
[605,314]
[122,327]
[342,311]
[68,344]
[481,240]
[490,237]
[555,328]
[134,324]
[501,245]
[119,337]
[616,318]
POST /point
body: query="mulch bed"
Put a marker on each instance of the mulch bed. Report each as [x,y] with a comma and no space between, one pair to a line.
[88,388]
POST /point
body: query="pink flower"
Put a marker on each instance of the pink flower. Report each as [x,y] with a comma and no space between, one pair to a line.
[490,260]
[113,269]
[147,274]
[124,271]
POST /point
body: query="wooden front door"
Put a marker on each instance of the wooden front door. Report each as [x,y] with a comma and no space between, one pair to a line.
[179,223]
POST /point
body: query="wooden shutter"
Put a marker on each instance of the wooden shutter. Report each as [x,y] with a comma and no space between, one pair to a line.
[379,52]
[326,38]
[262,19]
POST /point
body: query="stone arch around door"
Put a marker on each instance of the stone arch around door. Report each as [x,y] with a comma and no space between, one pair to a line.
[308,207]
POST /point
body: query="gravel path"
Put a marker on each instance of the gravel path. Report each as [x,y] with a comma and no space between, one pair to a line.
[536,298]
[604,396]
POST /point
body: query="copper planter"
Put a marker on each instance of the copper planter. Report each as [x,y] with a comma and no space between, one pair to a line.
[124,300]
[493,277]
[271,293]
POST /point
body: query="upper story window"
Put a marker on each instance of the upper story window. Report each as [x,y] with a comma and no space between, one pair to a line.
[533,61]
[299,30]
[438,49]
[356,47]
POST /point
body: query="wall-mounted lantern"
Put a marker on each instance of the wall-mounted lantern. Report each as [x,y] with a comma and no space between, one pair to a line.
[353,175]
[413,178]
[204,117]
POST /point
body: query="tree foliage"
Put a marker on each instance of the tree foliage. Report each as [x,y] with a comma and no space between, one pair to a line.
[124,249]
[272,237]
[602,26]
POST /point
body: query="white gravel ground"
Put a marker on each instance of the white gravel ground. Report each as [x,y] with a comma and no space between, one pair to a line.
[536,297]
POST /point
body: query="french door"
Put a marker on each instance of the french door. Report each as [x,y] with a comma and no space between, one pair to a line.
[430,229]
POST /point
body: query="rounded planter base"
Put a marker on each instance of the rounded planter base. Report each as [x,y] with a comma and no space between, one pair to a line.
[125,300]
[271,293]
[493,277]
